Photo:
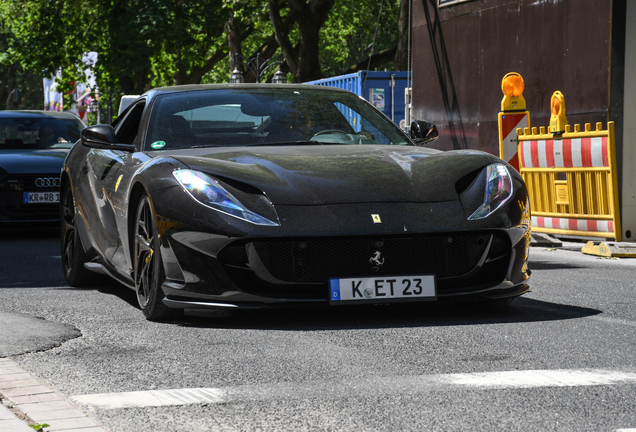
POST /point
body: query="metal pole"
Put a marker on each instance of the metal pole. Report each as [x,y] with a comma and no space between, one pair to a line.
[393,98]
[110,104]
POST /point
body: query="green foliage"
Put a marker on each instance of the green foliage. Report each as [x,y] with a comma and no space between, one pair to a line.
[20,88]
[253,18]
[39,427]
[47,35]
[347,37]
[148,43]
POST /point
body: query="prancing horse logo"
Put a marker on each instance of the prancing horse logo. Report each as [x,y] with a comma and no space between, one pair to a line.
[376,260]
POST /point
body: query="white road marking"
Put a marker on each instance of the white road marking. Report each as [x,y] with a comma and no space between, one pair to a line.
[542,378]
[151,398]
[381,385]
[613,321]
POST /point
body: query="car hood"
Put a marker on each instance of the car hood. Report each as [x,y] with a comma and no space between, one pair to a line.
[32,161]
[316,175]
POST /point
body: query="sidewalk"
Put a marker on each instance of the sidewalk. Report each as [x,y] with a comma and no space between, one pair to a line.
[33,401]
[10,423]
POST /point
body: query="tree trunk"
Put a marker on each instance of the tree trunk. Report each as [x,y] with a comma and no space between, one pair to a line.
[401,61]
[233,31]
[377,60]
[126,84]
[10,104]
[197,72]
[282,37]
[309,64]
[311,17]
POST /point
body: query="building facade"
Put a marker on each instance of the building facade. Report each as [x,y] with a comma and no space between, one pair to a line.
[584,48]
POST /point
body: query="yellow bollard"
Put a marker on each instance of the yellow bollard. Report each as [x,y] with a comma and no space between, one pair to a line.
[558,120]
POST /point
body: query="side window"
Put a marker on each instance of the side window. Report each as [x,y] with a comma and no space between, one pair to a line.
[128,129]
[362,126]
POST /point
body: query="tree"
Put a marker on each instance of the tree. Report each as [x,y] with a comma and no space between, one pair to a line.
[192,41]
[304,63]
[349,41]
[147,43]
[140,43]
[20,88]
[401,61]
[46,36]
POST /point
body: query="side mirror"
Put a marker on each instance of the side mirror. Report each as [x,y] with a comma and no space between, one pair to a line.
[103,137]
[423,132]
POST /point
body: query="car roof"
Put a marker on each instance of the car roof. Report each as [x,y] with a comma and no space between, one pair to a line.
[249,86]
[39,114]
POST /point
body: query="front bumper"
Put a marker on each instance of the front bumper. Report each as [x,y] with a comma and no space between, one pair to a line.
[12,205]
[206,270]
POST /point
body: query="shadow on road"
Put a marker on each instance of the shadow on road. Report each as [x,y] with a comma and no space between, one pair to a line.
[424,314]
[384,316]
[544,265]
[31,258]
[124,293]
[23,232]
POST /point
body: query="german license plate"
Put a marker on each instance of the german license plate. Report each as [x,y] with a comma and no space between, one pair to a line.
[41,197]
[383,289]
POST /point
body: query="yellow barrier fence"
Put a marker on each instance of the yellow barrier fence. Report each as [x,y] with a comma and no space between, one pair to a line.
[571,178]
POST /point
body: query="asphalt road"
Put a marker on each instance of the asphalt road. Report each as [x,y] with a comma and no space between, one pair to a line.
[562,357]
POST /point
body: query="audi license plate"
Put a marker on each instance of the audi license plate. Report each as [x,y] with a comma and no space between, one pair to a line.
[383,289]
[41,197]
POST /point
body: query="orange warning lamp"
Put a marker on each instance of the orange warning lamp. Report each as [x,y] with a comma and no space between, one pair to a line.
[512,86]
[558,120]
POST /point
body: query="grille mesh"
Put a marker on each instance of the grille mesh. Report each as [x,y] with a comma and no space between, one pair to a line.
[318,260]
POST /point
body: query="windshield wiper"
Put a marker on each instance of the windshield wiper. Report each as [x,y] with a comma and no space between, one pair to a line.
[200,146]
[291,143]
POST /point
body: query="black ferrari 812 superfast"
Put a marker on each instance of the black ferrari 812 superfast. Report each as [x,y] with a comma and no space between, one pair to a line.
[264,195]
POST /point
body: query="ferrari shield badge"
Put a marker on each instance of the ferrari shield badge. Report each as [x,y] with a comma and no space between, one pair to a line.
[376,218]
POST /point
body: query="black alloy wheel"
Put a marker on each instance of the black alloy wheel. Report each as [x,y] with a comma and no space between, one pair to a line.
[73,254]
[148,270]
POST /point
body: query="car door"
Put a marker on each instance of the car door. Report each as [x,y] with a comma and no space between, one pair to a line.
[101,185]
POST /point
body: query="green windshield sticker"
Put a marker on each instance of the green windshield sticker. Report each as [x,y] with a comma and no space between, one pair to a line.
[158,145]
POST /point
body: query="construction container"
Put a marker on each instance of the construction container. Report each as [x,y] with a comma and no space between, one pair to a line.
[385,90]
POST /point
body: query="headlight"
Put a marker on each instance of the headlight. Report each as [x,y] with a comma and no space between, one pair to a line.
[210,193]
[498,190]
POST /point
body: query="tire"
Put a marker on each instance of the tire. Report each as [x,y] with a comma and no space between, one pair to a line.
[148,267]
[73,254]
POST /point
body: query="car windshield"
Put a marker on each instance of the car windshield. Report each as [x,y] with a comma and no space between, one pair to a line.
[30,132]
[268,116]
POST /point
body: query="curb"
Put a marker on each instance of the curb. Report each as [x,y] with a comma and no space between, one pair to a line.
[610,249]
[34,403]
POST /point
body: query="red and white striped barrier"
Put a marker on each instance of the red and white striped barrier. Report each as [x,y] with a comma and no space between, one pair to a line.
[591,225]
[508,124]
[565,153]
